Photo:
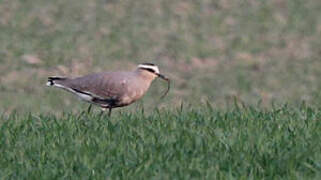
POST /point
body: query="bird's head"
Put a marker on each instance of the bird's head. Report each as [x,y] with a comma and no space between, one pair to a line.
[151,71]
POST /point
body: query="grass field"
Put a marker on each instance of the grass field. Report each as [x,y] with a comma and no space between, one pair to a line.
[243,143]
[246,58]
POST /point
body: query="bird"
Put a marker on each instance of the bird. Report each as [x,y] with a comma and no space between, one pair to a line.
[111,89]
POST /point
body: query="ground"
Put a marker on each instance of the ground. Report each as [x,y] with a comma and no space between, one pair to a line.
[216,51]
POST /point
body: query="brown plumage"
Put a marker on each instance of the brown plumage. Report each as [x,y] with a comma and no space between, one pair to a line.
[110,89]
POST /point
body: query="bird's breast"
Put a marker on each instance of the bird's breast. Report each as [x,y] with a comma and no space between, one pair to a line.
[133,93]
[132,96]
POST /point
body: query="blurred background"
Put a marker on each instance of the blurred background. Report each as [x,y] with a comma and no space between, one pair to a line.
[254,51]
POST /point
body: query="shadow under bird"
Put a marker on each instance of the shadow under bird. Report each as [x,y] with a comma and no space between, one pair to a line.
[111,89]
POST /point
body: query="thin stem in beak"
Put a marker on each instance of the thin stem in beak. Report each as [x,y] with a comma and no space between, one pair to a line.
[168,84]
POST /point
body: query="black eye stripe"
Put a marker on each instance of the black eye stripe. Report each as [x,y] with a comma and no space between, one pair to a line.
[150,70]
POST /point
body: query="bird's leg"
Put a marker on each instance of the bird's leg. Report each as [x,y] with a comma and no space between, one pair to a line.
[103,109]
[89,108]
[109,112]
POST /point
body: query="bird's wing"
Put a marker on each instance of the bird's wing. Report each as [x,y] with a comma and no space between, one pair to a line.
[101,85]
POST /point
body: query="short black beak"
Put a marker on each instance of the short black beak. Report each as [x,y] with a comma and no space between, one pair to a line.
[168,83]
[162,76]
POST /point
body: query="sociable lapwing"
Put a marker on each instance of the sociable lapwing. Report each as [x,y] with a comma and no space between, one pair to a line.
[111,89]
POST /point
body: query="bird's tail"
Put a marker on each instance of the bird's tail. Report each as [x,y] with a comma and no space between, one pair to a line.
[54,80]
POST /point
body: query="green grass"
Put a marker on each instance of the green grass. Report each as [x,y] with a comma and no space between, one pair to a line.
[213,51]
[187,143]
